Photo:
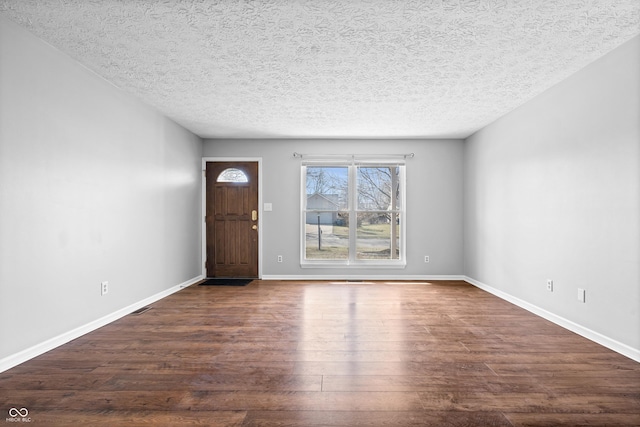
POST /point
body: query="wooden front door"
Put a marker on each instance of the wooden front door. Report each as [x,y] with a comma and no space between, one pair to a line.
[232,219]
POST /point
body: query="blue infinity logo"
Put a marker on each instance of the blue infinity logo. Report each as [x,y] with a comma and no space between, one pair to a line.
[22,412]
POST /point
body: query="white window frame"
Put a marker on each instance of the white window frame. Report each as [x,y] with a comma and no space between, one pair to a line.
[352,163]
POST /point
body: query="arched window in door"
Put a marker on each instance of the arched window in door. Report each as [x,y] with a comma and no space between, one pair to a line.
[232,175]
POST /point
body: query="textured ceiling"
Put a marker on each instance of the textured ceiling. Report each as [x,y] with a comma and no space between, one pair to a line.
[332,68]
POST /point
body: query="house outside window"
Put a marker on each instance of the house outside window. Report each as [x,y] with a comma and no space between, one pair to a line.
[353,213]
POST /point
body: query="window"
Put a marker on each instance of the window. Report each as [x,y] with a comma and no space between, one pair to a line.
[232,175]
[353,214]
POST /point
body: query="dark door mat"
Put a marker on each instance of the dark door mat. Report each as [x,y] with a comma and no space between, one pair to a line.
[226,282]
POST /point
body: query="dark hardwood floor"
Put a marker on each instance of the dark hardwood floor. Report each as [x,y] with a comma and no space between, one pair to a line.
[328,354]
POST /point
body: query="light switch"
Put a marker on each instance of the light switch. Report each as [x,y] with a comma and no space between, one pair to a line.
[268,207]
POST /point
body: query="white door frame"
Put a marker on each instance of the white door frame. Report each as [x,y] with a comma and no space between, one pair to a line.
[206,160]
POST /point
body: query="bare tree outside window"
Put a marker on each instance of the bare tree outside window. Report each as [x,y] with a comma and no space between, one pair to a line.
[353,213]
[329,181]
[326,215]
[378,212]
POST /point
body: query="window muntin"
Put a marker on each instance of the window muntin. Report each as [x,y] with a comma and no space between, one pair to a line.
[352,214]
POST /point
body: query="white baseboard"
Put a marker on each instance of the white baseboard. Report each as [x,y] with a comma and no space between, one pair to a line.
[38,349]
[25,355]
[618,347]
[338,277]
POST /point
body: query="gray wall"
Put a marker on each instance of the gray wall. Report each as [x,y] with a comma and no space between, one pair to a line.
[552,191]
[434,202]
[93,186]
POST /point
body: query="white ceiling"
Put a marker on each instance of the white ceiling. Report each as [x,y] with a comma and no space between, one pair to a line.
[332,68]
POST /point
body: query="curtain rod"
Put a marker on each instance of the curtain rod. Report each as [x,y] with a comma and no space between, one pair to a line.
[353,156]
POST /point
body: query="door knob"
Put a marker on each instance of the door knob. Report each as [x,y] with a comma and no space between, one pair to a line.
[254,227]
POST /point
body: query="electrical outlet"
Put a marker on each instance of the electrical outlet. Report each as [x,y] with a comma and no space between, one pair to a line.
[426,258]
[104,288]
[582,297]
[550,285]
[279,258]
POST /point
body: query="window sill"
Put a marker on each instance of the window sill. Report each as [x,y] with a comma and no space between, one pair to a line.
[347,264]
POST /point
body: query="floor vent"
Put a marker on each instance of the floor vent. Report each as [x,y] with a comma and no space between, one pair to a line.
[141,310]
